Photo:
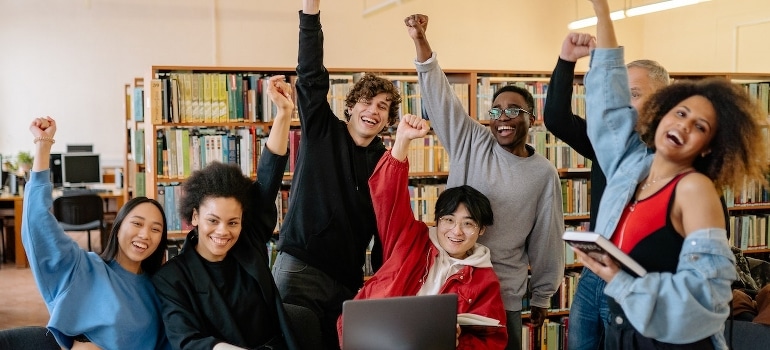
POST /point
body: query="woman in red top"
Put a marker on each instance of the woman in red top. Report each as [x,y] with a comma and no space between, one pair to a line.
[422,261]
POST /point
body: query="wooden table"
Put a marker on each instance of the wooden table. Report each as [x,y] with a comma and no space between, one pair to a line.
[18,205]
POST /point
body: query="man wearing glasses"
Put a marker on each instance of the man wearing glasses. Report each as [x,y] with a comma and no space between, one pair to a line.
[522,186]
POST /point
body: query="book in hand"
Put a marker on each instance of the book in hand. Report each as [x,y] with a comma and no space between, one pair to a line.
[595,246]
[477,323]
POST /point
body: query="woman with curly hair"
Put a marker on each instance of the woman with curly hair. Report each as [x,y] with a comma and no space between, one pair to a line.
[661,204]
[219,292]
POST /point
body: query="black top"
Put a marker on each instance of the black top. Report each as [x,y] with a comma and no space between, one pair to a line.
[571,128]
[197,299]
[330,220]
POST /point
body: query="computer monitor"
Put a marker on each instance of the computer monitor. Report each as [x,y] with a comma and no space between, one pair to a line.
[80,169]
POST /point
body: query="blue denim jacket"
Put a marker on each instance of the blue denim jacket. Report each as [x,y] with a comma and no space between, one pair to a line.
[679,308]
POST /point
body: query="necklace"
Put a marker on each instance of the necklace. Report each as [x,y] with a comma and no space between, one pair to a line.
[650,183]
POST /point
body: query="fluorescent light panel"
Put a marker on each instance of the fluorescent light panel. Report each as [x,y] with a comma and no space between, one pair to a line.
[591,21]
[635,11]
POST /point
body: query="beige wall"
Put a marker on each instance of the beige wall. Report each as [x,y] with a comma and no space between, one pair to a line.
[70,58]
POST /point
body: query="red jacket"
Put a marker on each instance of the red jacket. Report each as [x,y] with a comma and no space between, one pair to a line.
[408,254]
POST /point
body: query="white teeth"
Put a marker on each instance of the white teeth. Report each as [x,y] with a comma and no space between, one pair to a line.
[501,128]
[220,241]
[368,120]
[676,137]
[139,245]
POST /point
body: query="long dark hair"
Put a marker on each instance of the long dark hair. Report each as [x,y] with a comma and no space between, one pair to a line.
[155,260]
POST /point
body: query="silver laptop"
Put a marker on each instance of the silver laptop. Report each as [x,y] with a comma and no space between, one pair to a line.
[400,323]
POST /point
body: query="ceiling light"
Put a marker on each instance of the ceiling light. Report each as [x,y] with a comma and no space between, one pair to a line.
[661,6]
[635,11]
[591,21]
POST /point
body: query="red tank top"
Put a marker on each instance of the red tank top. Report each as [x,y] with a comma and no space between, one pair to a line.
[641,219]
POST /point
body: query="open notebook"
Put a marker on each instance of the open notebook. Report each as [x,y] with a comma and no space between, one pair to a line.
[408,323]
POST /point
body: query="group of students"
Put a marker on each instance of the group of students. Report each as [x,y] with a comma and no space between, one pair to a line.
[662,151]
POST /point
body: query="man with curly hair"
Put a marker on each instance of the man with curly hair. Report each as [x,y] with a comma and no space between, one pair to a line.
[331,219]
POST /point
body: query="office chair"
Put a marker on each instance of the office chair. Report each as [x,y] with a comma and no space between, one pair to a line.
[80,212]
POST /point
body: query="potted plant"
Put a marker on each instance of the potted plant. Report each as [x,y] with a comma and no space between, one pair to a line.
[24,161]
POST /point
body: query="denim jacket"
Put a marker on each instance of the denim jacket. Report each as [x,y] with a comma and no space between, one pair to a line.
[679,308]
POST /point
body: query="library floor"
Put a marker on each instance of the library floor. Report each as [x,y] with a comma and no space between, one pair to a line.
[20,301]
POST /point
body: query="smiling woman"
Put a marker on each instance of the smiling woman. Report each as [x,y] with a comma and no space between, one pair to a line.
[222,271]
[74,282]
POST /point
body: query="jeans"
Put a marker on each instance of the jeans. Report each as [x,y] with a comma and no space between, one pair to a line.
[304,285]
[588,314]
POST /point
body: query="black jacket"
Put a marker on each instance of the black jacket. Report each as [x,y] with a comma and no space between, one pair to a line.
[330,220]
[194,312]
[570,128]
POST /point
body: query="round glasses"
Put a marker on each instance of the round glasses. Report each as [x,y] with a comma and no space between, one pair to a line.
[513,112]
[468,226]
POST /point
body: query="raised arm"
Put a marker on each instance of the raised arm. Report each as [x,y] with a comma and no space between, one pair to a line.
[52,254]
[450,121]
[611,118]
[312,77]
[417,25]
[605,30]
[280,93]
[389,185]
[557,113]
[311,7]
[272,161]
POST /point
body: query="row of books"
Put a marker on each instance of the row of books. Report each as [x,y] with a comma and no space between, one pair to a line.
[561,155]
[423,198]
[576,198]
[210,98]
[425,154]
[180,151]
[562,299]
[221,97]
[752,194]
[750,231]
[761,93]
[552,335]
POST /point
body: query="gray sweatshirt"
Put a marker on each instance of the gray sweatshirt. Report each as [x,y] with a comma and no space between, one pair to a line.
[525,194]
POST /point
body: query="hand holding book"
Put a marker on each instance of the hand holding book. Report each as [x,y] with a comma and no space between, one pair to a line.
[600,255]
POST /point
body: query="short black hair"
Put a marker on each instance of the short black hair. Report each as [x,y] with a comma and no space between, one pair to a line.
[476,202]
[519,90]
[155,260]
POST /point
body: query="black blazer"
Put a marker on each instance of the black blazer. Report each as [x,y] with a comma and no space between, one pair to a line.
[193,312]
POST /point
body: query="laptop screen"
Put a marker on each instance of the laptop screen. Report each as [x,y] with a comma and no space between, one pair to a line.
[414,322]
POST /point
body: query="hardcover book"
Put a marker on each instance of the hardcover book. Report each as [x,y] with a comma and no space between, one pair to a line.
[596,246]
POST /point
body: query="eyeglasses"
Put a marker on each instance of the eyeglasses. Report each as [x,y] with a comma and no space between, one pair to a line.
[513,112]
[468,226]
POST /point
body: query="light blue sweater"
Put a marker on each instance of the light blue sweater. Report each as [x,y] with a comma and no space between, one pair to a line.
[114,308]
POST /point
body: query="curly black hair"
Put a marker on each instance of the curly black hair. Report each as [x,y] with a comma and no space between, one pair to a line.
[738,148]
[369,86]
[216,180]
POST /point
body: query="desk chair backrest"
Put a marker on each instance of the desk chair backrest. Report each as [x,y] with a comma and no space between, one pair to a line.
[80,212]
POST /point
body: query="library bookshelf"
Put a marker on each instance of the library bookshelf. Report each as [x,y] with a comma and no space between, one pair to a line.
[170,106]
